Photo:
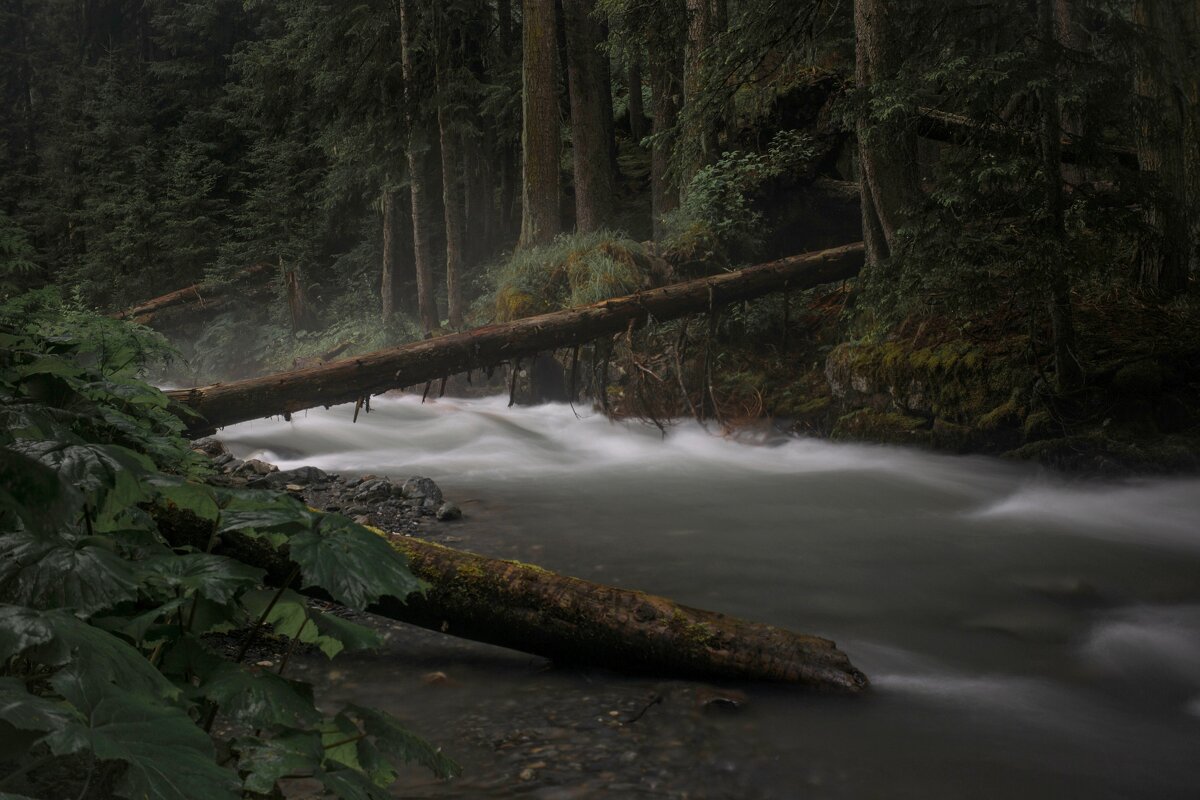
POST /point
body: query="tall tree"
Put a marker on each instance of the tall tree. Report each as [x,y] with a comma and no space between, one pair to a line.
[701,25]
[1168,114]
[541,144]
[591,131]
[449,61]
[887,144]
[1068,370]
[418,190]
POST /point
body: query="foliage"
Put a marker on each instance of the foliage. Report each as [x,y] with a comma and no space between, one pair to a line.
[17,264]
[103,618]
[575,269]
[720,199]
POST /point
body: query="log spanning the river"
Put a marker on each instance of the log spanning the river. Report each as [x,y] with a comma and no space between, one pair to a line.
[222,404]
[568,620]
[197,297]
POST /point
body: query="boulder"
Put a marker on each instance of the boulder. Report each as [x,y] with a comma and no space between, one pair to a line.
[448,511]
[421,492]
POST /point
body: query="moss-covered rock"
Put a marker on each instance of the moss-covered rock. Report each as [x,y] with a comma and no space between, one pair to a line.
[886,427]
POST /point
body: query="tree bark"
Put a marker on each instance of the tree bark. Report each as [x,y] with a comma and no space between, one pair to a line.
[591,143]
[665,89]
[1068,370]
[699,36]
[1165,251]
[344,381]
[422,236]
[887,149]
[453,201]
[541,217]
[570,620]
[387,280]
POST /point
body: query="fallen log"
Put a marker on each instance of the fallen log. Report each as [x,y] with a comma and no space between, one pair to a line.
[347,380]
[203,296]
[569,620]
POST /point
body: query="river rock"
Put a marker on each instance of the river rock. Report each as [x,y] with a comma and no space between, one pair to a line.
[302,476]
[373,491]
[448,511]
[422,492]
[256,466]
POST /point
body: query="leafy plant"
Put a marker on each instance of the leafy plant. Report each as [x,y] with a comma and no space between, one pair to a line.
[104,608]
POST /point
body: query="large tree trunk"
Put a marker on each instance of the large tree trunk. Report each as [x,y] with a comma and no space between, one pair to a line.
[541,217]
[699,36]
[887,150]
[591,143]
[1165,252]
[224,404]
[666,90]
[1068,371]
[570,620]
[422,235]
[387,280]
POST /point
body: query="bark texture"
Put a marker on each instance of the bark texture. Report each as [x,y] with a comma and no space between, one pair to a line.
[422,235]
[541,218]
[701,26]
[344,381]
[591,136]
[666,92]
[453,198]
[1166,88]
[387,279]
[887,149]
[569,620]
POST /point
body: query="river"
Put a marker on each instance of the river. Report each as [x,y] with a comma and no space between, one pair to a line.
[1027,635]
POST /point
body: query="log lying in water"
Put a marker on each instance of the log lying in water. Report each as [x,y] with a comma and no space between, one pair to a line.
[197,297]
[569,620]
[344,381]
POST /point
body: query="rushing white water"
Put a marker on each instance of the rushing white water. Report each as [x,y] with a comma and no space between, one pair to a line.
[1027,636]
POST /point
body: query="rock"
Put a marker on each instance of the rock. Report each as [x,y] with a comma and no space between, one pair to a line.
[373,491]
[302,476]
[223,459]
[712,699]
[232,466]
[256,466]
[419,491]
[448,511]
[350,484]
[436,678]
[355,511]
[210,447]
[363,519]
[526,774]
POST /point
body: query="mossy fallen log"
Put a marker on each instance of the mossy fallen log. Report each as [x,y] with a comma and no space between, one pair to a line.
[350,379]
[194,299]
[569,620]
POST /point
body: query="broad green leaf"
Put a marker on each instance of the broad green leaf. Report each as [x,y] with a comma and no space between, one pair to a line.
[34,494]
[187,496]
[402,745]
[135,626]
[260,699]
[264,762]
[353,636]
[108,472]
[349,784]
[290,617]
[51,572]
[216,578]
[355,566]
[94,658]
[29,712]
[168,756]
[263,511]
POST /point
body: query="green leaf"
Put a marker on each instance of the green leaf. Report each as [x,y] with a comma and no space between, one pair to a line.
[34,493]
[263,511]
[402,745]
[188,496]
[107,472]
[94,658]
[216,578]
[349,784]
[28,712]
[168,756]
[49,573]
[264,762]
[290,617]
[260,699]
[355,566]
[354,637]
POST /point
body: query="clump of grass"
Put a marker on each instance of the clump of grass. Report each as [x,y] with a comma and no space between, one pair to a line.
[575,269]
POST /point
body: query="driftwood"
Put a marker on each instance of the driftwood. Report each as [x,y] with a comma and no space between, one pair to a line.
[195,298]
[347,380]
[569,620]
